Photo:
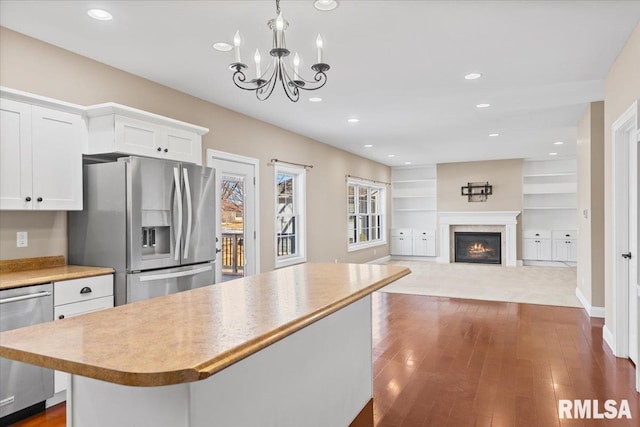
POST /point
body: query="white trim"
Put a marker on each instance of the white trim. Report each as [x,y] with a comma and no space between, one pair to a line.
[221,155]
[300,190]
[607,336]
[557,264]
[414,258]
[382,260]
[502,218]
[591,311]
[619,231]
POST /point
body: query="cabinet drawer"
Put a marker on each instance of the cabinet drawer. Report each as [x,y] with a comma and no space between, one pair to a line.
[404,232]
[424,233]
[83,307]
[87,288]
[564,234]
[537,234]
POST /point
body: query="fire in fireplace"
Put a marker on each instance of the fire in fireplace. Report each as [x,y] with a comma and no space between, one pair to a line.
[478,247]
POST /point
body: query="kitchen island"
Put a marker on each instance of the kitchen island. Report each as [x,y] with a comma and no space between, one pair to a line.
[291,347]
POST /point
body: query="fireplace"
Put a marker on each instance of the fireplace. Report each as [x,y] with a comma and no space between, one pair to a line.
[478,247]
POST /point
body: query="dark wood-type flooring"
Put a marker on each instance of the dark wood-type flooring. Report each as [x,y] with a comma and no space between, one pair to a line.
[454,362]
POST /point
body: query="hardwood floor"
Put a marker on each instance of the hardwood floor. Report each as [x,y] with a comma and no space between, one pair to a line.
[455,362]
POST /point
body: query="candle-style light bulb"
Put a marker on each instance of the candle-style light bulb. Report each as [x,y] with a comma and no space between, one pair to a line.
[256,57]
[236,44]
[319,45]
[296,64]
[279,30]
[279,22]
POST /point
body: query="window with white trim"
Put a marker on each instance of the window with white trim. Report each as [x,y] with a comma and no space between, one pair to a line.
[290,233]
[366,219]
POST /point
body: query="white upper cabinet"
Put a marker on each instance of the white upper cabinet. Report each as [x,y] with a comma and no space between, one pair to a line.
[40,153]
[117,129]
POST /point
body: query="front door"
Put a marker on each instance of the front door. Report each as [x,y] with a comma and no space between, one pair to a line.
[236,232]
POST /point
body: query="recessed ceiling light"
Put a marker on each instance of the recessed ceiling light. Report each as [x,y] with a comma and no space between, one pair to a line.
[553,154]
[315,99]
[391,155]
[368,146]
[472,76]
[325,5]
[353,120]
[407,163]
[558,143]
[494,134]
[222,46]
[100,15]
[483,105]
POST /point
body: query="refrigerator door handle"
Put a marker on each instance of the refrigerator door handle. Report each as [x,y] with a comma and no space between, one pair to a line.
[187,190]
[176,178]
[175,274]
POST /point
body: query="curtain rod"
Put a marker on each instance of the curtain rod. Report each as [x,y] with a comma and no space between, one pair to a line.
[367,179]
[290,163]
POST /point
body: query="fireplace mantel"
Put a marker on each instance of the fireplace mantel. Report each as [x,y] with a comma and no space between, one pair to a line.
[508,219]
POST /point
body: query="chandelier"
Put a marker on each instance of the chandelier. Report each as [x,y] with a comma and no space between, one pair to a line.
[279,71]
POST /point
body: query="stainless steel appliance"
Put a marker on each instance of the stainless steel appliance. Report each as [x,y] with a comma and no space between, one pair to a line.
[23,385]
[152,220]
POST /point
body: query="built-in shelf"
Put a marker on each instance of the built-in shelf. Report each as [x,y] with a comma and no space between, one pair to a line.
[550,194]
[413,197]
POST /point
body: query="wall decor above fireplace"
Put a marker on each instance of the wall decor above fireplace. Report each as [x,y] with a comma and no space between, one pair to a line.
[477,191]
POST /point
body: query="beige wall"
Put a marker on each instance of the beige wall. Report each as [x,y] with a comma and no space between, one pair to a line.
[33,66]
[621,89]
[504,175]
[590,155]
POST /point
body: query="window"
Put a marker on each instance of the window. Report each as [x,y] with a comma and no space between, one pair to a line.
[366,207]
[290,215]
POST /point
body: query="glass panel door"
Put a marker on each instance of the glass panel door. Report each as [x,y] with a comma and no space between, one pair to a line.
[232,214]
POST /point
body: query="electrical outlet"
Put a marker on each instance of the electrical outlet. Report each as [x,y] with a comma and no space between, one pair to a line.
[22,239]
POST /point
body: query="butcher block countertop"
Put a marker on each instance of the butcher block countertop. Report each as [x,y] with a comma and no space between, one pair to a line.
[191,335]
[33,271]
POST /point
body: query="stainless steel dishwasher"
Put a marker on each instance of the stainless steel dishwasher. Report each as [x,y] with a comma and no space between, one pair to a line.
[24,385]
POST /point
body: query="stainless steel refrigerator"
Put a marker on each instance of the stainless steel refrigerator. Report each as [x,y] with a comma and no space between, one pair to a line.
[152,220]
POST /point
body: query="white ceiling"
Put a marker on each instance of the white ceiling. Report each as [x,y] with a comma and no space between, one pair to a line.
[398,66]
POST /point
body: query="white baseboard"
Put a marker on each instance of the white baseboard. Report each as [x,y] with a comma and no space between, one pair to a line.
[591,311]
[59,397]
[413,258]
[607,336]
[442,260]
[519,263]
[380,260]
[549,263]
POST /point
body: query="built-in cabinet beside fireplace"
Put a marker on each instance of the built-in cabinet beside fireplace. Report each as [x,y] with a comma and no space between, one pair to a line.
[414,211]
[550,210]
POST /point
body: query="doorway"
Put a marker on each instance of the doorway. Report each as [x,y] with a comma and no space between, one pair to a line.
[237,237]
[625,139]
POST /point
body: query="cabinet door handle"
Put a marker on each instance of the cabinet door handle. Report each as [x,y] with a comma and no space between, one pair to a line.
[159,149]
[166,150]
[28,199]
[61,317]
[86,290]
[39,199]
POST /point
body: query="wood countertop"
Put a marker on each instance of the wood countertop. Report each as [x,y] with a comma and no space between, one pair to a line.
[34,271]
[191,335]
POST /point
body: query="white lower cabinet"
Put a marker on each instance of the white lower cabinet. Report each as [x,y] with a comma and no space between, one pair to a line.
[547,245]
[401,242]
[79,296]
[537,249]
[565,245]
[424,243]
